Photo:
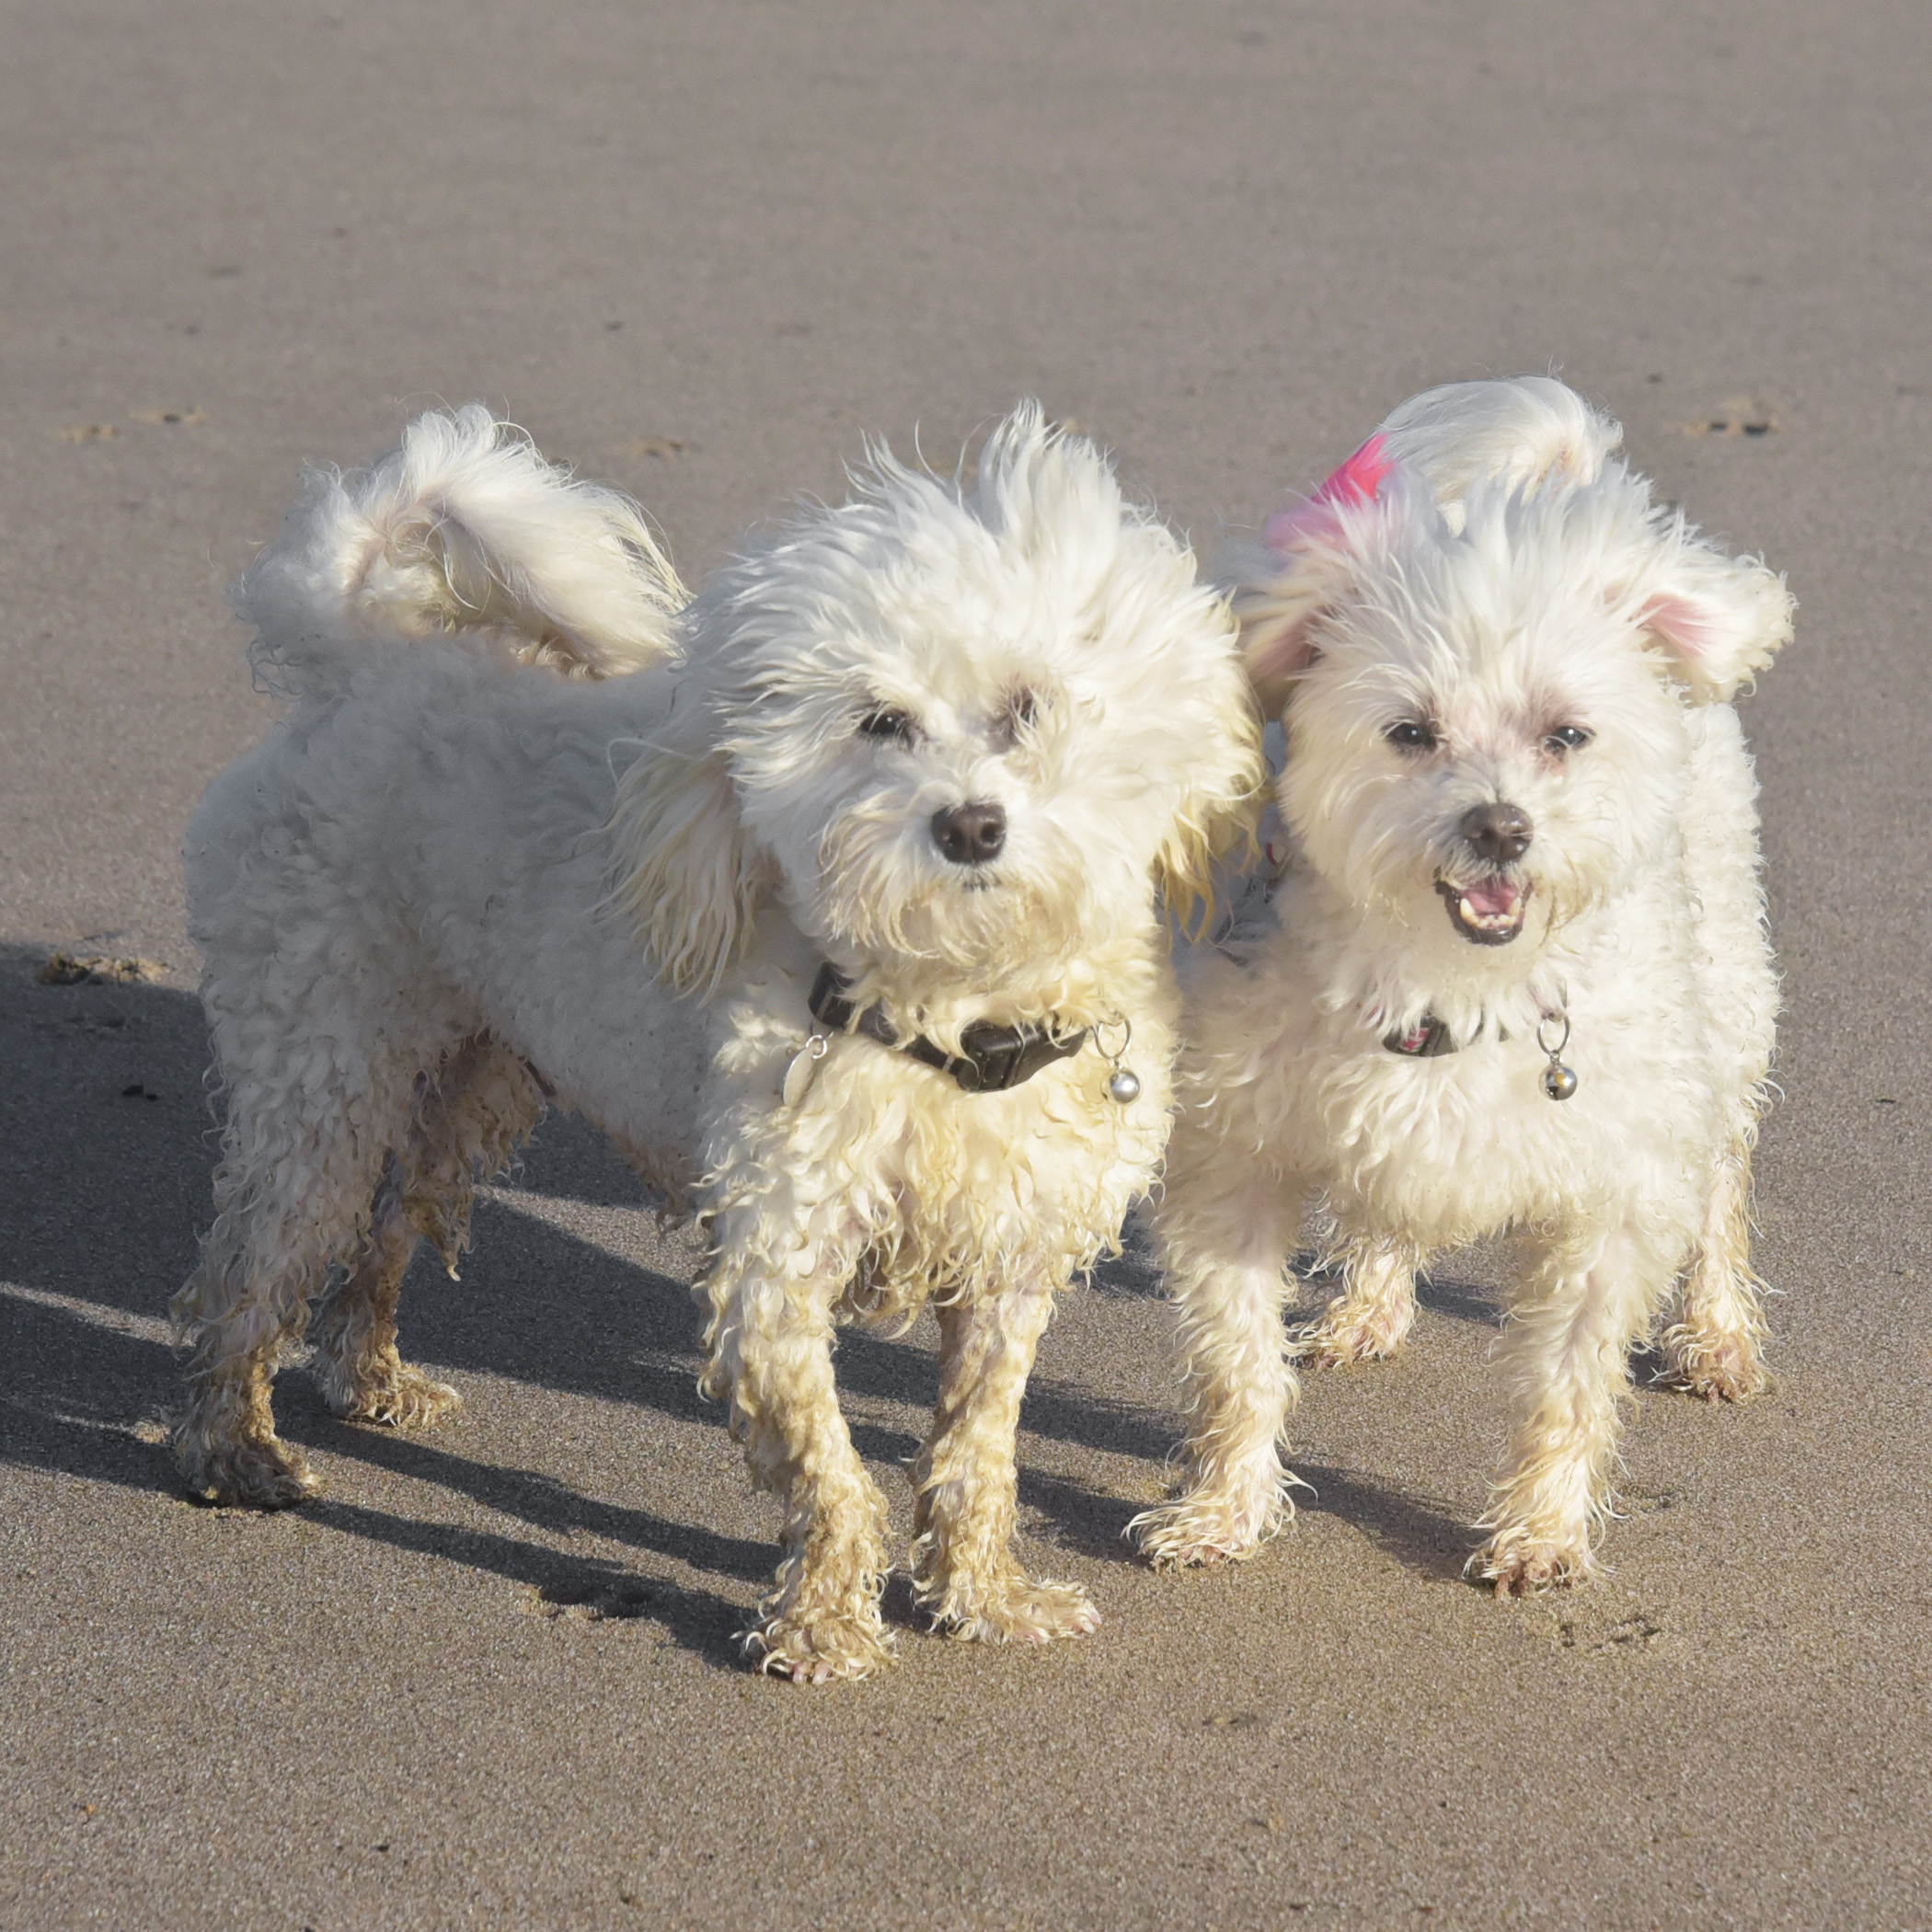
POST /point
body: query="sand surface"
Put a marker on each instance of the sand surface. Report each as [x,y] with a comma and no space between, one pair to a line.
[701,251]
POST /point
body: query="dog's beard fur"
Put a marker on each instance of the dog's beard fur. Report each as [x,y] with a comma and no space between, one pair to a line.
[883,897]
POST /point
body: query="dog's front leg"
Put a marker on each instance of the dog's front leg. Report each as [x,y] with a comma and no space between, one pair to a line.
[770,1351]
[1226,1260]
[963,1562]
[1568,1356]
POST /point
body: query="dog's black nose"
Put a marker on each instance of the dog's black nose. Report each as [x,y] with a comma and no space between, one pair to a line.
[1499,833]
[969,834]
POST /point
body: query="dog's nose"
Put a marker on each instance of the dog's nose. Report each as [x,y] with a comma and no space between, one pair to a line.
[969,834]
[1499,833]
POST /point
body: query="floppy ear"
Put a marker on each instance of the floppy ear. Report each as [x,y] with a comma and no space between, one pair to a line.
[1221,806]
[1718,620]
[690,877]
[1306,563]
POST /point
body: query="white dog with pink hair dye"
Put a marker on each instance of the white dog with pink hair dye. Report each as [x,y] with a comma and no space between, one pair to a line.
[1518,977]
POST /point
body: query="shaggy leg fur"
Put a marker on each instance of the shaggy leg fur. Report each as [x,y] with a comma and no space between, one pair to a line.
[1372,1316]
[364,1377]
[963,1565]
[1567,1357]
[1226,1267]
[291,1195]
[1712,1350]
[770,1351]
[467,1123]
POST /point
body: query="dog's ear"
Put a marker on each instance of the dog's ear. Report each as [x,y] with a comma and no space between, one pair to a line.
[1303,567]
[1220,809]
[689,876]
[1717,620]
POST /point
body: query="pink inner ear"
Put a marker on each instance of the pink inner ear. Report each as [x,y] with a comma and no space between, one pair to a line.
[1683,625]
[1356,481]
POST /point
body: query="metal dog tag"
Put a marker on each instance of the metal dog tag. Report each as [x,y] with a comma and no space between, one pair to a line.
[797,1082]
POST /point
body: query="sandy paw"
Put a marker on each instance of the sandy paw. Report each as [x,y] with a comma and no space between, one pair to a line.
[1727,1370]
[1018,1610]
[1193,1534]
[1517,1563]
[249,1474]
[823,1648]
[1343,1334]
[402,1398]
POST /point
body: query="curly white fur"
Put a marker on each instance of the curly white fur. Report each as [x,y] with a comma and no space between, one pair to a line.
[453,883]
[1516,797]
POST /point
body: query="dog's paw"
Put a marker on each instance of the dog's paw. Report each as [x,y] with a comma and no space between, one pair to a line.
[1349,1331]
[1720,1369]
[249,1474]
[401,1398]
[823,1646]
[1016,1609]
[1518,1563]
[1198,1532]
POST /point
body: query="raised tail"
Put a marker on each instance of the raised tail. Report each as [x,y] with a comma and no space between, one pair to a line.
[1516,429]
[466,529]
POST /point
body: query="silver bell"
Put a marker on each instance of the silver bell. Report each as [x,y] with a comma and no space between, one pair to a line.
[1125,1086]
[1558,1082]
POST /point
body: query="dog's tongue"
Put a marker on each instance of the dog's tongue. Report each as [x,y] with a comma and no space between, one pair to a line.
[1490,896]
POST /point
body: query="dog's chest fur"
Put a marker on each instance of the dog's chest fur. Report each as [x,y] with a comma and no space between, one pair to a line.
[911,1187]
[1451,1147]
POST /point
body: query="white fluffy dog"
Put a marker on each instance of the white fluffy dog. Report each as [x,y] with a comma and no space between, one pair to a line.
[898,792]
[1519,977]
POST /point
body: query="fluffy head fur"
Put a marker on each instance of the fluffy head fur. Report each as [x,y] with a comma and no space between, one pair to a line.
[1029,644]
[1507,619]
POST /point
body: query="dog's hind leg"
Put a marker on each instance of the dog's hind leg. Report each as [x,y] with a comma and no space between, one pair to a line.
[364,1377]
[1372,1316]
[466,1123]
[963,1564]
[768,1349]
[292,1194]
[1713,1348]
[1225,1256]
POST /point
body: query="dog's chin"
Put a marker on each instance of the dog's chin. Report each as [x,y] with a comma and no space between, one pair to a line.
[1487,911]
[983,927]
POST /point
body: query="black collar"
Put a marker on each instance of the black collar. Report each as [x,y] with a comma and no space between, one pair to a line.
[1430,1038]
[993,1058]
[1427,1040]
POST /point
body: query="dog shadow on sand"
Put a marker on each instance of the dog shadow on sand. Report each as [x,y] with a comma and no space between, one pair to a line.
[107,1133]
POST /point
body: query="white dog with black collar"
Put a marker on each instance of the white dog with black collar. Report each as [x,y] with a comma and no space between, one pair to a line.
[952,741]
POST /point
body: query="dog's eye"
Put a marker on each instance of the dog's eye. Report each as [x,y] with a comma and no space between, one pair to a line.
[887,723]
[1412,735]
[1021,709]
[1566,738]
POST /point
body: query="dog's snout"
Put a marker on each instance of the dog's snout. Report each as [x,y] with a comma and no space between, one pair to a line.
[969,834]
[1499,833]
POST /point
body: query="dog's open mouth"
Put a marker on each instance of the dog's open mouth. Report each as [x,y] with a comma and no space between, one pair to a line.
[1487,911]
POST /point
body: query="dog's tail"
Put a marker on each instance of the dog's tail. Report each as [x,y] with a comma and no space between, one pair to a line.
[464,529]
[1519,430]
